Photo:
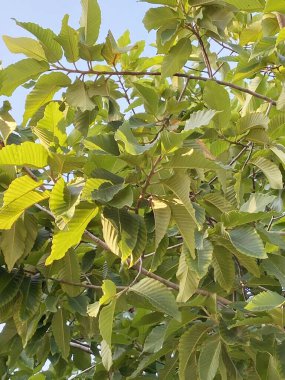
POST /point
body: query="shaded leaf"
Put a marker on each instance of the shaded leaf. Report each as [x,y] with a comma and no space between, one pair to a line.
[157,295]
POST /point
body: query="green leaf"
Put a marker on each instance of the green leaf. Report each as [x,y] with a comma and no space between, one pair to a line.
[217,98]
[179,184]
[224,269]
[185,223]
[18,73]
[70,272]
[63,240]
[176,58]
[199,119]
[106,318]
[51,128]
[275,266]
[274,6]
[25,154]
[265,301]
[247,5]
[31,290]
[63,200]
[43,92]
[162,215]
[131,145]
[24,45]
[154,341]
[188,279]
[251,120]
[149,95]
[9,285]
[171,3]
[106,355]
[247,241]
[61,333]
[77,96]
[69,39]
[187,345]
[256,203]
[90,20]
[13,243]
[192,160]
[109,294]
[237,218]
[208,363]
[52,49]
[270,170]
[157,17]
[157,295]
[19,196]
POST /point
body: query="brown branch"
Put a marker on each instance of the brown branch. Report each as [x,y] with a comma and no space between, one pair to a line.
[81,347]
[179,75]
[195,31]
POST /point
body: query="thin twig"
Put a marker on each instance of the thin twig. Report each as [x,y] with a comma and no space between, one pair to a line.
[179,75]
[84,371]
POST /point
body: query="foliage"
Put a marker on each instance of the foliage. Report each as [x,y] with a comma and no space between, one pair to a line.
[142,197]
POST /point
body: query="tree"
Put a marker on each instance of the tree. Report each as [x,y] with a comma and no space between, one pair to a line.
[142,198]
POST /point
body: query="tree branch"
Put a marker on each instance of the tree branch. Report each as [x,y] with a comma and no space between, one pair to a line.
[179,75]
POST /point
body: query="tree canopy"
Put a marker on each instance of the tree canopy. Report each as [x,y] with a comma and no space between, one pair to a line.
[142,217]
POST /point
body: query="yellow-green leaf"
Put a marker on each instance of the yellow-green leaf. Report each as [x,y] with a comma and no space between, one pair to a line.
[25,154]
[63,240]
[19,196]
[90,20]
[24,45]
[43,92]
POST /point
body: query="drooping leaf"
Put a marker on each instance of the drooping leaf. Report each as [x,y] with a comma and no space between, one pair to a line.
[188,279]
[185,223]
[209,359]
[162,215]
[224,268]
[106,318]
[187,344]
[157,295]
[31,290]
[13,243]
[61,333]
[9,285]
[69,272]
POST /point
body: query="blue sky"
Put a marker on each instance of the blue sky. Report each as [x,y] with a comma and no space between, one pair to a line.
[117,15]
